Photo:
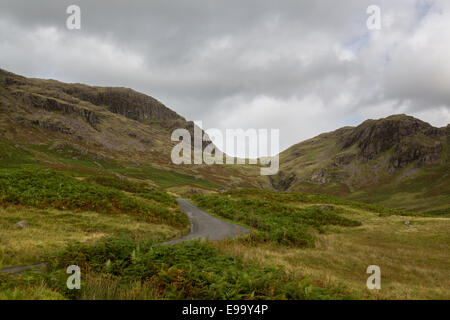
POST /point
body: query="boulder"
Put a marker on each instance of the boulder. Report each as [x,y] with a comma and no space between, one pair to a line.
[22,224]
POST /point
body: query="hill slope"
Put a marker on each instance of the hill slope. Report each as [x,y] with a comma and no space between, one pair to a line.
[60,124]
[398,161]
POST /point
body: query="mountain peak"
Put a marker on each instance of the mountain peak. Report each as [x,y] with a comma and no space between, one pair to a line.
[354,158]
[105,120]
[124,101]
[376,136]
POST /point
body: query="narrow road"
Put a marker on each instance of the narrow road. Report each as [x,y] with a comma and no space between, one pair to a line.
[205,226]
[17,270]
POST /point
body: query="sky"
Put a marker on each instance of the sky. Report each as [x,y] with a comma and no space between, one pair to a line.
[303,67]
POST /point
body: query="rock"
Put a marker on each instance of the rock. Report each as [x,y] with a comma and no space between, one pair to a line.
[320,177]
[22,224]
[325,207]
[343,159]
[126,102]
[282,181]
[411,151]
[374,137]
[118,175]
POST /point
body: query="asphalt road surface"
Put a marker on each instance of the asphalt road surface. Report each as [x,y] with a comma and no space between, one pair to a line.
[205,226]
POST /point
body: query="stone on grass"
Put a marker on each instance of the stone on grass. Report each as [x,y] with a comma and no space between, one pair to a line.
[22,224]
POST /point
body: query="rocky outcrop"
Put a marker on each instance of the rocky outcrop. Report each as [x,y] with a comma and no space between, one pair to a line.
[320,177]
[118,122]
[343,159]
[54,126]
[282,181]
[54,105]
[376,136]
[353,158]
[126,102]
[9,79]
[408,139]
[414,151]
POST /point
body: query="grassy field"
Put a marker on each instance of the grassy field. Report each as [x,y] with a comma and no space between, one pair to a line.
[274,222]
[122,268]
[109,219]
[302,247]
[50,230]
[414,258]
[80,163]
[46,188]
[60,208]
[427,191]
[111,228]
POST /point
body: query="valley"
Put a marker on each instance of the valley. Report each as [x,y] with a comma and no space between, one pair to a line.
[89,171]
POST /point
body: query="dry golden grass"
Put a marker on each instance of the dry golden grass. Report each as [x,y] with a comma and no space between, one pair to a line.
[104,287]
[414,259]
[37,292]
[51,229]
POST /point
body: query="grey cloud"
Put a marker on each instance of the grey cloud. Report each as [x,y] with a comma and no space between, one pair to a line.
[213,60]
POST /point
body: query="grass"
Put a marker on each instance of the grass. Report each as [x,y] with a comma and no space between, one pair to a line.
[50,189]
[159,196]
[413,261]
[303,246]
[60,208]
[298,197]
[273,221]
[413,258]
[425,191]
[27,288]
[13,156]
[102,170]
[165,178]
[121,268]
[120,184]
[50,230]
[68,155]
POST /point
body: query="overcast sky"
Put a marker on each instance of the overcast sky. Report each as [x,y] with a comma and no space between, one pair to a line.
[304,67]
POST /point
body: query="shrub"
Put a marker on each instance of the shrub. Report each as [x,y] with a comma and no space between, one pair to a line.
[159,196]
[190,270]
[274,221]
[120,184]
[298,197]
[46,188]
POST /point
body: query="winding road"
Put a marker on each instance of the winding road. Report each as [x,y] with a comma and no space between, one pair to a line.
[203,226]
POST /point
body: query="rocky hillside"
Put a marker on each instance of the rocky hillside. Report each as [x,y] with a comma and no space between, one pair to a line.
[399,161]
[77,120]
[104,120]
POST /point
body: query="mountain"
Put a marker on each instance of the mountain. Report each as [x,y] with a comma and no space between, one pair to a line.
[103,120]
[48,119]
[398,161]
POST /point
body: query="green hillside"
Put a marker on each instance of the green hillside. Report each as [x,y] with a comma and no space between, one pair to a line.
[398,162]
[89,170]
